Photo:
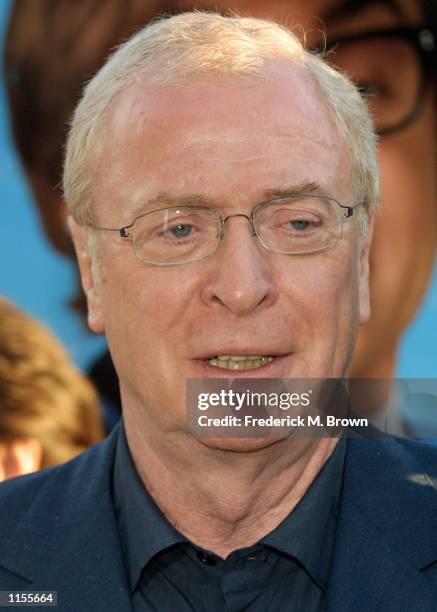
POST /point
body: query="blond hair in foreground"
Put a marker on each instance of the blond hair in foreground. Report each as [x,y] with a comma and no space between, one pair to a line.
[42,394]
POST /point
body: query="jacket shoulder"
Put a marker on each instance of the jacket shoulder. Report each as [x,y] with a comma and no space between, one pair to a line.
[425,454]
[56,487]
[406,453]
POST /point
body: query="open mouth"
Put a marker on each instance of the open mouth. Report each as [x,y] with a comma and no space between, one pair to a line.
[239,362]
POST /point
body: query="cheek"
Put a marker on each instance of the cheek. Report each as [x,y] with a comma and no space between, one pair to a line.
[406,226]
[339,303]
[408,208]
[324,296]
[409,186]
[146,307]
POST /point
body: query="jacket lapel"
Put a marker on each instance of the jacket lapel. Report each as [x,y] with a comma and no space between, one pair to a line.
[386,533]
[68,540]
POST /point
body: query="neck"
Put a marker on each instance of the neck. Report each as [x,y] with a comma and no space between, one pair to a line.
[222,499]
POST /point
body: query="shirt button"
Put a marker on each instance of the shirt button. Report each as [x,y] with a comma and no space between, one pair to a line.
[205,558]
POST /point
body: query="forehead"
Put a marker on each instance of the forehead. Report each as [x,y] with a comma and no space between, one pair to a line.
[219,138]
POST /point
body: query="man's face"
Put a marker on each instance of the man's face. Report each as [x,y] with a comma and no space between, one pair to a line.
[228,145]
[404,242]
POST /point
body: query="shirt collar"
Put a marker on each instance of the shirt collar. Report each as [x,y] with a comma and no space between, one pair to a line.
[144,530]
[308,532]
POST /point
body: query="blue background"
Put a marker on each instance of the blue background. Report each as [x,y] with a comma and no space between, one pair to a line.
[39,280]
[32,274]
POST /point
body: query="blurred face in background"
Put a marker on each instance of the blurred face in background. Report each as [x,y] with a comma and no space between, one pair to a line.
[390,70]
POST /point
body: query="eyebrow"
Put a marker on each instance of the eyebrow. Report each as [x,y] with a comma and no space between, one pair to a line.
[350,8]
[307,188]
[165,200]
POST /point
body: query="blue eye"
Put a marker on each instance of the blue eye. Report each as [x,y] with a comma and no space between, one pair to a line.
[181,230]
[300,224]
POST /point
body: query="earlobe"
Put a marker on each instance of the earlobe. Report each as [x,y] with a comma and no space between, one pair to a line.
[87,275]
[364,287]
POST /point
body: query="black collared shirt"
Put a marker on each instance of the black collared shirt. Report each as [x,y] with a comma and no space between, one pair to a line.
[287,570]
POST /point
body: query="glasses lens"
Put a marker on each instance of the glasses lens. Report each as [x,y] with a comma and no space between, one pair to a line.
[389,73]
[176,235]
[299,225]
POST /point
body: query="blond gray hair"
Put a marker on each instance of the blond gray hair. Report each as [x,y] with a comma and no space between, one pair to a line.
[197,46]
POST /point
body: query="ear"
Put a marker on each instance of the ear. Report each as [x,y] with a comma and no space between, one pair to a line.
[18,457]
[364,289]
[88,277]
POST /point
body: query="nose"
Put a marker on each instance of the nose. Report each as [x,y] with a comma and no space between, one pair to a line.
[241,276]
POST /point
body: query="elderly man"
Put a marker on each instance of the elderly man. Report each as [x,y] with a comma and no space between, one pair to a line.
[222,183]
[387,47]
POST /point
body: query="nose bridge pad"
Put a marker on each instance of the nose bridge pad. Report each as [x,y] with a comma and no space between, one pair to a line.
[240,215]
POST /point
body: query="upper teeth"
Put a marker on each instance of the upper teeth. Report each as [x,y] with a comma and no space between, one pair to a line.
[239,362]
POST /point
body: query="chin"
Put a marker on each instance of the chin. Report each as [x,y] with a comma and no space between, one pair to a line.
[241,445]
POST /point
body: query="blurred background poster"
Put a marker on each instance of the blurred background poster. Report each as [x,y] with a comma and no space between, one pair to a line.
[32,273]
[42,282]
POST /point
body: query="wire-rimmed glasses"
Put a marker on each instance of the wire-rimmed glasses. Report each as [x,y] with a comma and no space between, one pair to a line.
[184,234]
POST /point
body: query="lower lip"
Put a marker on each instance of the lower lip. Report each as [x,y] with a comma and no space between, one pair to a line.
[267,370]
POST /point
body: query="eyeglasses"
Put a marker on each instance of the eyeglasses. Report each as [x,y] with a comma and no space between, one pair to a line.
[392,68]
[185,234]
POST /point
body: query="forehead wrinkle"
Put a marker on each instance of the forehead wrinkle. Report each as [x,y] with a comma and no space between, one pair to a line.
[135,190]
[212,149]
[273,141]
[234,160]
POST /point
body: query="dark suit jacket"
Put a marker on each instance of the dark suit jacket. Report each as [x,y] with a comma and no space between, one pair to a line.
[58,532]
